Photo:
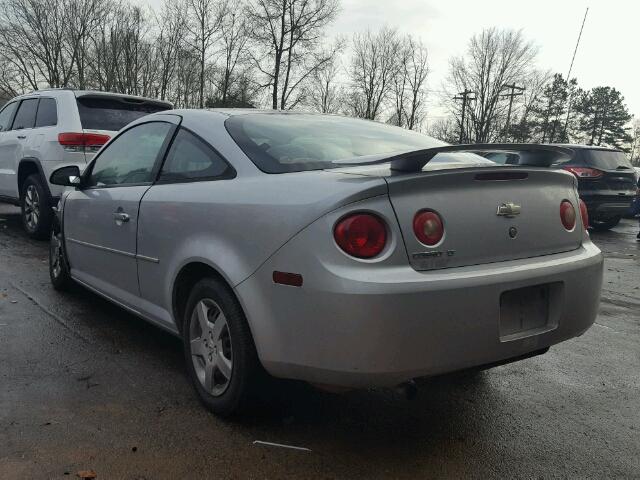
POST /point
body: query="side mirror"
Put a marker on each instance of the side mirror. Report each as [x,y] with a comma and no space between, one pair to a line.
[66,176]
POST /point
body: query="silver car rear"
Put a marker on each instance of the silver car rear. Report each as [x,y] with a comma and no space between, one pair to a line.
[307,239]
[476,231]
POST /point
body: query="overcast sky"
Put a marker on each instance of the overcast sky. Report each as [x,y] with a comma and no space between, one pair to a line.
[608,53]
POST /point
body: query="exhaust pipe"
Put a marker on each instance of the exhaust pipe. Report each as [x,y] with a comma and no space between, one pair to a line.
[408,389]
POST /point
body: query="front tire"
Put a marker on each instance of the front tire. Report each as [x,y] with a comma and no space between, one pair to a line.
[604,225]
[58,267]
[219,351]
[36,211]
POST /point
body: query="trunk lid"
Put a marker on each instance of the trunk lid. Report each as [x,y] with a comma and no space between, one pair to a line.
[468,199]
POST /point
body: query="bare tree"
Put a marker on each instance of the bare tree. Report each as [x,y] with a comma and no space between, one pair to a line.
[287,35]
[84,18]
[409,84]
[324,93]
[234,37]
[534,85]
[373,69]
[445,129]
[33,36]
[172,21]
[494,59]
[204,25]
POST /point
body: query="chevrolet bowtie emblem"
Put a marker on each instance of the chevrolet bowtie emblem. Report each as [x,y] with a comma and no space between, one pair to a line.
[508,210]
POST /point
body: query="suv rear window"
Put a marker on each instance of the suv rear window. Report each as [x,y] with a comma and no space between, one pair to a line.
[606,159]
[279,143]
[102,113]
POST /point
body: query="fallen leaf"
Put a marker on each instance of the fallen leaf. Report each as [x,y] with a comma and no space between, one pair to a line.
[86,474]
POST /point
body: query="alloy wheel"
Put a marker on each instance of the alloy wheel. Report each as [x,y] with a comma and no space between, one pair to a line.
[31,207]
[211,349]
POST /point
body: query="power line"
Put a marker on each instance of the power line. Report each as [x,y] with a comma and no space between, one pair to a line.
[577,43]
[566,122]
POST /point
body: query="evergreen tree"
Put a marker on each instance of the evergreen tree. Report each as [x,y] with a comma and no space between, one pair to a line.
[551,110]
[603,117]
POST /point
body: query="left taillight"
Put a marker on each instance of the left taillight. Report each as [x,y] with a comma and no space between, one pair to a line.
[73,141]
[361,235]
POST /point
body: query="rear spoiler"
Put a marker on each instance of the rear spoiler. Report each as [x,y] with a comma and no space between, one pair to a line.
[536,155]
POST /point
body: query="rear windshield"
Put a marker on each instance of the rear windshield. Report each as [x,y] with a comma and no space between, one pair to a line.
[279,143]
[606,159]
[112,113]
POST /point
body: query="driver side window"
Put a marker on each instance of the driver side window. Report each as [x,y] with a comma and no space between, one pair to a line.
[130,158]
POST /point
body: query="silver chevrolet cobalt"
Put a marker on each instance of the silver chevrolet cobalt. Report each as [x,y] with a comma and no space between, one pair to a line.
[341,252]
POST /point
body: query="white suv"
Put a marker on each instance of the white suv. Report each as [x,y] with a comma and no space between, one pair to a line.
[47,129]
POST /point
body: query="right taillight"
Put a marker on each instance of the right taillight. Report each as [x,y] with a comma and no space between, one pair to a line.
[73,141]
[428,227]
[584,214]
[361,235]
[567,215]
[584,172]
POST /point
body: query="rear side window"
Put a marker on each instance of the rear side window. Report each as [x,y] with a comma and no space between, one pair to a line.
[47,113]
[6,115]
[192,159]
[606,159]
[102,113]
[26,116]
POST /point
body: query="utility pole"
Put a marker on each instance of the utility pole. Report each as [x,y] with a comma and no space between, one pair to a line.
[511,96]
[464,96]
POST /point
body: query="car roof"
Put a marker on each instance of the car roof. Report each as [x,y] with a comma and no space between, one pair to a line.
[84,93]
[263,111]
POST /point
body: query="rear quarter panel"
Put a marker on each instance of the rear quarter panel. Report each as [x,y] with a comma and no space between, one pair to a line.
[233,225]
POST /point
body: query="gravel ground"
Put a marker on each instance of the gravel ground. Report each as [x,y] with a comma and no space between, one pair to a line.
[84,385]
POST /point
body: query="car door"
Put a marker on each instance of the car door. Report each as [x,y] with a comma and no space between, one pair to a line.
[101,218]
[11,141]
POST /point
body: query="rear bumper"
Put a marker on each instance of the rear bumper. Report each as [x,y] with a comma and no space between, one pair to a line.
[357,330]
[607,206]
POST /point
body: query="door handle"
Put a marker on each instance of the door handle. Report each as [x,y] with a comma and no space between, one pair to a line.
[22,137]
[121,217]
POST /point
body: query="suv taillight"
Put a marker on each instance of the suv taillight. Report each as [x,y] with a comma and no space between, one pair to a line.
[584,172]
[77,142]
[361,235]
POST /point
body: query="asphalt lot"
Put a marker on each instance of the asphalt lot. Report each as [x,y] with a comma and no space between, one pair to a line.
[84,385]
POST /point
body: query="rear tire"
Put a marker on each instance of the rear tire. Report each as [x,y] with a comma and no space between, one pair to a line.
[36,211]
[221,358]
[604,225]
